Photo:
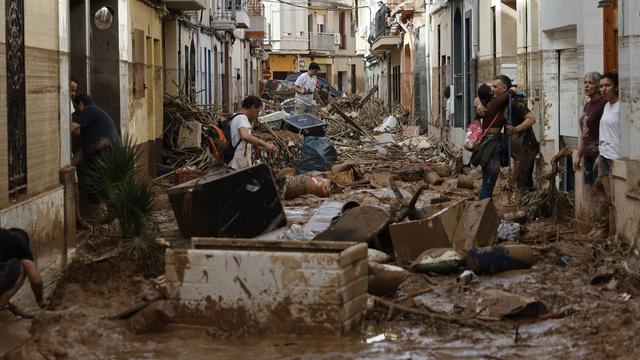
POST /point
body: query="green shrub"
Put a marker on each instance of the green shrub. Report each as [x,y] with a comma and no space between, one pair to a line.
[116,181]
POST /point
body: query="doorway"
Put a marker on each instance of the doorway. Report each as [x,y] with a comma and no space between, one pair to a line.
[353,79]
[469,81]
[458,69]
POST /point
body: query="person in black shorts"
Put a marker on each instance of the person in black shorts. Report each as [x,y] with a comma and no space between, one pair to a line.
[17,264]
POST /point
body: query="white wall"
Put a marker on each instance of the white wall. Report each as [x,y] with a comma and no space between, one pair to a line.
[284,18]
[629,65]
[557,14]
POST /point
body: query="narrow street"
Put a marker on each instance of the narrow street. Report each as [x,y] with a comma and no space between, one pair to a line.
[348,179]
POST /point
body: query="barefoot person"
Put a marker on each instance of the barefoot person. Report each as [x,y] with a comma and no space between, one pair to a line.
[16,264]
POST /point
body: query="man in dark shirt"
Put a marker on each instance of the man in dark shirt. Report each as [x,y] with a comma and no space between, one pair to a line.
[524,146]
[16,264]
[97,130]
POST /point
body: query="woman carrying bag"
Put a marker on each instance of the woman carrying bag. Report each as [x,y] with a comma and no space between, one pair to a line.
[490,146]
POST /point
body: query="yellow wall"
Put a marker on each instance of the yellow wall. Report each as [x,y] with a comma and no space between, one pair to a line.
[286,63]
[145,111]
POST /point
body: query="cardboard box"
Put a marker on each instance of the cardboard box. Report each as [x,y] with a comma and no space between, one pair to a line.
[443,229]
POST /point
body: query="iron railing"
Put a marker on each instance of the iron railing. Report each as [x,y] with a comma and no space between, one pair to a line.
[16,98]
[322,41]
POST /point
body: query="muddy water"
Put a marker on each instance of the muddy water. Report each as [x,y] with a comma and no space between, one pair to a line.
[12,331]
[604,323]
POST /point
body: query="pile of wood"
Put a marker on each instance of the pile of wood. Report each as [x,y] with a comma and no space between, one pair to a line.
[289,147]
[179,110]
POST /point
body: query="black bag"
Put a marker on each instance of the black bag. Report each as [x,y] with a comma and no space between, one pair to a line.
[482,156]
[318,154]
[504,157]
[228,149]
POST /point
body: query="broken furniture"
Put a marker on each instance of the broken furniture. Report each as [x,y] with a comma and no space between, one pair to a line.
[460,225]
[274,120]
[240,204]
[260,286]
[304,124]
[362,224]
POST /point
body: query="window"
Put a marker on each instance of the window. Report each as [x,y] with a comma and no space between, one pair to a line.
[210,92]
[396,84]
[16,98]
[186,70]
[343,37]
[320,23]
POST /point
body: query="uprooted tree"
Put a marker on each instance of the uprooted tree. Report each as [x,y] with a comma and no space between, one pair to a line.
[547,201]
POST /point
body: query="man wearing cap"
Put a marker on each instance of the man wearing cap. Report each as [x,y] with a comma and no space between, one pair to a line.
[17,264]
[305,86]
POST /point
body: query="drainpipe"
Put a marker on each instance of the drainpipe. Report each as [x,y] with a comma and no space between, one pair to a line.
[476,39]
[526,45]
[428,51]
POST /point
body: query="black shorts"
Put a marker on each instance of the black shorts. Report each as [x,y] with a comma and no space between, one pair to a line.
[9,274]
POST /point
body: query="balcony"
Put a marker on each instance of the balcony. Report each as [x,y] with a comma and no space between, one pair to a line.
[405,9]
[386,43]
[230,16]
[257,28]
[258,21]
[323,41]
[297,42]
[242,19]
[186,4]
[332,4]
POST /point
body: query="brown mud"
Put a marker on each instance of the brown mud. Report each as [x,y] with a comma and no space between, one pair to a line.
[598,321]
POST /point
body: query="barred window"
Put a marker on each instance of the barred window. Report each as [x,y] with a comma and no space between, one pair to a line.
[16,98]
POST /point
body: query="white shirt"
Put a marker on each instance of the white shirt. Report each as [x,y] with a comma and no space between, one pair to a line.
[610,131]
[243,156]
[450,109]
[306,82]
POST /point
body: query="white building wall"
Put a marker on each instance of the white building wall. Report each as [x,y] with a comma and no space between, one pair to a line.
[287,22]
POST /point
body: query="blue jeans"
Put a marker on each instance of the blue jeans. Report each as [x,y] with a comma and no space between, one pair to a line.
[490,172]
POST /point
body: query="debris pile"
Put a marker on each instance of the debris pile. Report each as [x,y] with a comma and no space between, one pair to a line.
[289,146]
[184,137]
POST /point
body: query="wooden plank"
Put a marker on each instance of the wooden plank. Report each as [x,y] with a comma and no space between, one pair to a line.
[370,94]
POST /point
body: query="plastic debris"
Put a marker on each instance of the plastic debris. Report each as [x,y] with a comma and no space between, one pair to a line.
[508,231]
[388,125]
[298,232]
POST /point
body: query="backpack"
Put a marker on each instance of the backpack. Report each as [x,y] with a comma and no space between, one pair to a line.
[219,137]
[525,141]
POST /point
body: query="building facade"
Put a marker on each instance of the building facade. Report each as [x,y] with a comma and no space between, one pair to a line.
[545,47]
[395,54]
[34,118]
[322,32]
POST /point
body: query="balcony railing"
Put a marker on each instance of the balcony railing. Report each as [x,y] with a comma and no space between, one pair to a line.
[332,4]
[323,41]
[230,14]
[186,4]
[292,42]
[257,28]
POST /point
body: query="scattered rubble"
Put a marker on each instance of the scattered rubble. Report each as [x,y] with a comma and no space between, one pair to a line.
[155,317]
[431,261]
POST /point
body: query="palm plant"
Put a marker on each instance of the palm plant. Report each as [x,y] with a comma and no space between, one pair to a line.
[115,180]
